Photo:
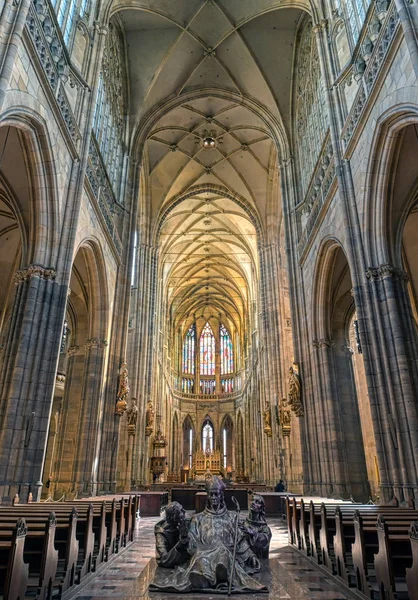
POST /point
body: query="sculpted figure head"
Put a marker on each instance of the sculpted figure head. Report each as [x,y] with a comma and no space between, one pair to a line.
[215,489]
[258,506]
[175,513]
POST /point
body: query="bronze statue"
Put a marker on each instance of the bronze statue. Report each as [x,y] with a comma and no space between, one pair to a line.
[171,537]
[213,541]
[256,528]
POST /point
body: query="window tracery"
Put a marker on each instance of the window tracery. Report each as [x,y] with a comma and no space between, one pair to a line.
[207,351]
[207,437]
[311,116]
[189,346]
[110,110]
[227,356]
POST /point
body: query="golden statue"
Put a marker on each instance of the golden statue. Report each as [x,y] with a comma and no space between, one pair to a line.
[123,391]
[295,392]
[285,416]
[149,419]
[267,419]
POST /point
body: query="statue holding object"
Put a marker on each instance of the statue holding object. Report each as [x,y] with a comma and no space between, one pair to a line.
[215,555]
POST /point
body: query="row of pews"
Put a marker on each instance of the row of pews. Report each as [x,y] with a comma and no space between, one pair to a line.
[46,548]
[371,548]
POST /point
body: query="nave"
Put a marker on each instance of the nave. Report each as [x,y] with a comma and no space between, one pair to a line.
[290,576]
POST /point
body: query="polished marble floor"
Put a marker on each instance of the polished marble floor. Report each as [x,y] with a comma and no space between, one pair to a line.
[288,574]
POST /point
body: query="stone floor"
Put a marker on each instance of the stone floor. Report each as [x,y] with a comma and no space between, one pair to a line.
[288,575]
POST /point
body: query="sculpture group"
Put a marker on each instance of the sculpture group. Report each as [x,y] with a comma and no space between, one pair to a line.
[214,550]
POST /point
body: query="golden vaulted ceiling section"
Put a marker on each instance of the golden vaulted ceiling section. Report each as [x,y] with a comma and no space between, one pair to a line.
[220,70]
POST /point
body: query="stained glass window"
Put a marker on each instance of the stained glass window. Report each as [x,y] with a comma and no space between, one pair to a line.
[227,355]
[224,445]
[207,351]
[189,350]
[207,437]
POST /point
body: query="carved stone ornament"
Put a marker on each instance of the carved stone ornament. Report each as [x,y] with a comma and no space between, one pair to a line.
[385,271]
[159,440]
[34,271]
[295,391]
[123,391]
[267,419]
[149,419]
[285,417]
[96,343]
[72,350]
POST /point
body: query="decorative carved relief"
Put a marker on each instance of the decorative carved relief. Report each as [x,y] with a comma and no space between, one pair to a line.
[376,61]
[385,271]
[96,343]
[73,350]
[47,274]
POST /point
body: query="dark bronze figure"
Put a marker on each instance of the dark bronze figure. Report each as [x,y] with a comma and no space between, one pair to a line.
[256,528]
[212,542]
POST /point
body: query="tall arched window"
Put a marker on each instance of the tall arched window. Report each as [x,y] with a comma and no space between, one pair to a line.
[355,11]
[66,11]
[207,436]
[110,110]
[189,345]
[311,116]
[207,351]
[227,356]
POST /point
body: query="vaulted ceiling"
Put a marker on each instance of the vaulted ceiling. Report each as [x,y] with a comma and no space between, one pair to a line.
[218,70]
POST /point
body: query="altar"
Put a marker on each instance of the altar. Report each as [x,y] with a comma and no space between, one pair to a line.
[206,464]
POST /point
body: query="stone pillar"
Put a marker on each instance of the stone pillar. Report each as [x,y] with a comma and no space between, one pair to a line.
[87,454]
[395,384]
[28,379]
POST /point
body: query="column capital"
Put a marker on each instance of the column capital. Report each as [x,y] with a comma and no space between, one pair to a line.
[46,273]
[323,343]
[73,350]
[95,343]
[386,271]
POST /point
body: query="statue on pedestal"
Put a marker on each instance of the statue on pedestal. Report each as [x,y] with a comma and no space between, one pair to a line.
[149,419]
[285,417]
[132,417]
[123,391]
[219,555]
[295,391]
[267,419]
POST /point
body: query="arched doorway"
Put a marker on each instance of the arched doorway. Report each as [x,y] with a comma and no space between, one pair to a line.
[345,426]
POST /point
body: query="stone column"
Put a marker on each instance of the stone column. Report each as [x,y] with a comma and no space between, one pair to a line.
[395,358]
[87,454]
[28,378]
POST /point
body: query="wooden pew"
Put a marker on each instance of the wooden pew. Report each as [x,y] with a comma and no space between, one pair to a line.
[412,573]
[393,557]
[13,570]
[81,542]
